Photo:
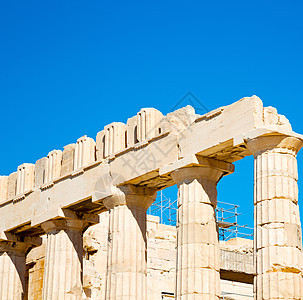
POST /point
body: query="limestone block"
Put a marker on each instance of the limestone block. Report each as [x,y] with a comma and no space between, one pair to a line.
[12,185]
[283,121]
[179,119]
[26,178]
[100,141]
[132,131]
[279,259]
[84,152]
[148,123]
[53,165]
[143,160]
[152,222]
[279,285]
[96,236]
[239,243]
[3,188]
[35,260]
[220,126]
[93,281]
[35,278]
[199,283]
[279,234]
[158,263]
[271,211]
[272,118]
[95,265]
[115,138]
[68,159]
[40,167]
[236,262]
[236,290]
[37,252]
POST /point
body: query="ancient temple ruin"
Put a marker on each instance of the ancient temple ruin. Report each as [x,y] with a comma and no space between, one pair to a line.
[111,181]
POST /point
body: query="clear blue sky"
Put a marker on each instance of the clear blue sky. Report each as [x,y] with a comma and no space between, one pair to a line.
[67,68]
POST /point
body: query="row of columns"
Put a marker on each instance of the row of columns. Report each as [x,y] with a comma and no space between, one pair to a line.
[277,242]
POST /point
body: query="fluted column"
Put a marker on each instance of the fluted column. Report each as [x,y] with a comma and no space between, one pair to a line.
[63,259]
[277,242]
[127,257]
[198,261]
[12,270]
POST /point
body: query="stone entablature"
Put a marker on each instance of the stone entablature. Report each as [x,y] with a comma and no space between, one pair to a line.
[118,138]
[128,163]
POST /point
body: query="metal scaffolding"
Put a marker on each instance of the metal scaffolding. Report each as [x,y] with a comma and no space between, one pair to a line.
[226,213]
[165,208]
[227,219]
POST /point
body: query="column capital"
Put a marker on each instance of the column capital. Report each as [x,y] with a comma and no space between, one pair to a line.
[130,195]
[64,224]
[17,243]
[196,166]
[196,172]
[273,141]
[15,247]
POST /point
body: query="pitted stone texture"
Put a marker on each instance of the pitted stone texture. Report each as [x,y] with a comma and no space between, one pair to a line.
[84,152]
[272,118]
[40,167]
[161,258]
[198,260]
[278,285]
[68,159]
[126,261]
[179,119]
[12,185]
[278,237]
[26,178]
[63,260]
[53,165]
[95,241]
[3,188]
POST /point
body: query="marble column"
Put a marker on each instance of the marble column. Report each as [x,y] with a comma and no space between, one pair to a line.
[277,242]
[12,270]
[198,260]
[63,259]
[127,257]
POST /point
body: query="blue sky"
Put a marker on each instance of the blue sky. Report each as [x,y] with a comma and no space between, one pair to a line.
[67,68]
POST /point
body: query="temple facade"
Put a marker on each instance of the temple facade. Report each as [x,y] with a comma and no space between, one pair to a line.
[50,211]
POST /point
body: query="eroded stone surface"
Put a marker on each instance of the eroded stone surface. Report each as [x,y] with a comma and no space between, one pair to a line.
[40,167]
[3,188]
[68,159]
